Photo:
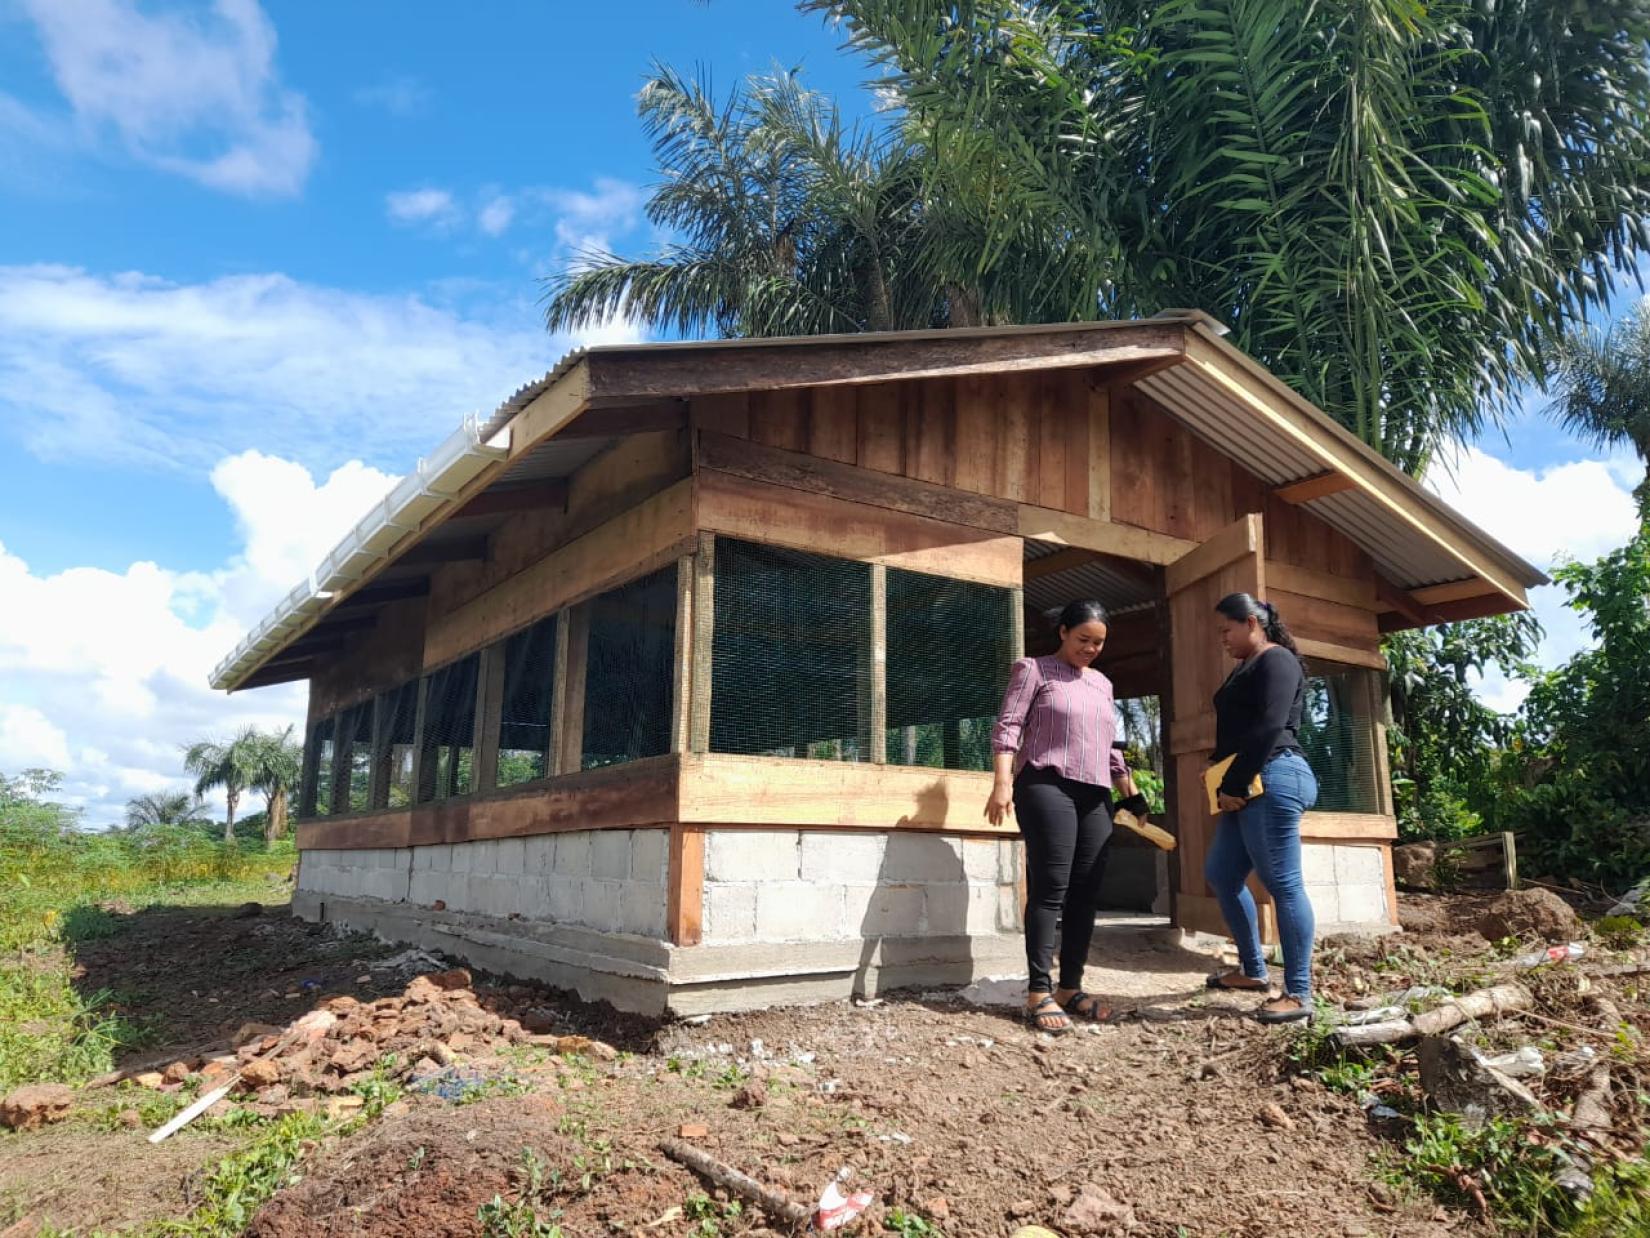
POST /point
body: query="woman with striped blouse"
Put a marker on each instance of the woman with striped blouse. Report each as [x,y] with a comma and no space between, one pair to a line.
[1055,766]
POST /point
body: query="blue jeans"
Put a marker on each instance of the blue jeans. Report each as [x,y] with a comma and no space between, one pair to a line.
[1265,838]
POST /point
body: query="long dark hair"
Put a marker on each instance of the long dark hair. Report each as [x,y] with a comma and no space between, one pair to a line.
[1241,607]
[1076,614]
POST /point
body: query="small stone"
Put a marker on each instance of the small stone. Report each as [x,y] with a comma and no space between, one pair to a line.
[693,1130]
[1095,1211]
[342,1106]
[457,978]
[260,1073]
[34,1105]
[786,1140]
[150,1079]
[752,1096]
[538,1022]
[131,1119]
[1272,1115]
[177,1072]
[440,904]
[1355,1229]
[1535,912]
[248,1032]
[248,911]
[590,1048]
[1022,1208]
[939,1208]
[461,1042]
[366,979]
[1208,1071]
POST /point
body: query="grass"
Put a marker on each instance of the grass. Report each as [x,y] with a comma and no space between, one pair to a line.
[55,889]
[240,1183]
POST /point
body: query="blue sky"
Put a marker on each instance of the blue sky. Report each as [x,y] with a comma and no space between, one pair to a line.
[255,260]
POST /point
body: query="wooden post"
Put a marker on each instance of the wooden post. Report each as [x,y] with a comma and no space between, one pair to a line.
[383,721]
[570,723]
[1509,859]
[704,642]
[685,907]
[681,683]
[558,693]
[876,724]
[489,716]
[423,770]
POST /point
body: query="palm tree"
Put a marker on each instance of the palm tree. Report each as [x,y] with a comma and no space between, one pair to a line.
[165,808]
[232,766]
[789,223]
[277,765]
[1603,387]
[1399,208]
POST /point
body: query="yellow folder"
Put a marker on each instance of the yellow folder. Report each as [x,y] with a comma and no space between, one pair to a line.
[1215,775]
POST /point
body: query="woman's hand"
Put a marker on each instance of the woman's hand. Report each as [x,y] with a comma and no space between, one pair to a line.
[1001,804]
[1231,803]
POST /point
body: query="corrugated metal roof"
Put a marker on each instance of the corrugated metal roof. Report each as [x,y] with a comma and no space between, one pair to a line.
[1119,591]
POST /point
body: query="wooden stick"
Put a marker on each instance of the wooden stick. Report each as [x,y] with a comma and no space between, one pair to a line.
[1502,999]
[774,1203]
[1364,1035]
[201,1105]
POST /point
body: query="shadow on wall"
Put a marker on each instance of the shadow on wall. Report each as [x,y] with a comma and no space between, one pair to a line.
[918,912]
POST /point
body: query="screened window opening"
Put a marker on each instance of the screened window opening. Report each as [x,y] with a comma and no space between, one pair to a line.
[1338,738]
[397,742]
[316,800]
[791,654]
[629,659]
[950,644]
[354,767]
[524,722]
[448,766]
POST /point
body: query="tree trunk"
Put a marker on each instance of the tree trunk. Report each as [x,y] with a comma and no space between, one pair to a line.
[275,818]
[879,308]
[963,307]
[229,818]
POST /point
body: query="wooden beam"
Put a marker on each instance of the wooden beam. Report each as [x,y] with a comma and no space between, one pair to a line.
[771,365]
[1452,591]
[1241,537]
[1347,655]
[1392,597]
[508,500]
[570,723]
[1132,372]
[266,676]
[704,642]
[379,595]
[1309,582]
[798,471]
[681,679]
[624,421]
[551,409]
[876,727]
[1125,541]
[1342,826]
[458,550]
[1099,461]
[1318,486]
[686,897]
[758,512]
[489,716]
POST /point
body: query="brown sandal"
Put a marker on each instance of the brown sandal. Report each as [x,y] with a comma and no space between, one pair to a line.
[1041,1015]
[1278,1011]
[1096,1012]
[1224,981]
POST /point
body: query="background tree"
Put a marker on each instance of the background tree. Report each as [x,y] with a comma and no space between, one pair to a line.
[233,766]
[1398,208]
[277,765]
[1603,390]
[165,808]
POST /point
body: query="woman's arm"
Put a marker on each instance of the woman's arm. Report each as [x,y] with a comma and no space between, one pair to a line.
[1273,680]
[1001,801]
[1006,736]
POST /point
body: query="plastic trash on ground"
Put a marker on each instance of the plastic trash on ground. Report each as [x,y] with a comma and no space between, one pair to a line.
[1635,902]
[1552,954]
[836,1210]
[1522,1063]
[1380,1014]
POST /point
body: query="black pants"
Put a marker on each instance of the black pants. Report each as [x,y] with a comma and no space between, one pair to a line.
[1066,826]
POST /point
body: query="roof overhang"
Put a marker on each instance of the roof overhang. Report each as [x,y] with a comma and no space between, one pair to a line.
[1435,565]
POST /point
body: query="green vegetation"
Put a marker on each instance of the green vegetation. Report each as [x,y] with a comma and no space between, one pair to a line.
[53,880]
[240,1183]
[520,1219]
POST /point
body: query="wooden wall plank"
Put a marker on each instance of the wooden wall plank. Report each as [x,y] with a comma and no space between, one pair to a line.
[777,515]
[881,441]
[686,892]
[931,453]
[1342,826]
[833,424]
[1072,390]
[569,724]
[704,641]
[1318,619]
[1015,457]
[1051,441]
[728,413]
[681,680]
[780,418]
[1099,450]
[977,433]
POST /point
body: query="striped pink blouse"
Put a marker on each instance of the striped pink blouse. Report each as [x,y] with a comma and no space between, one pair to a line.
[1061,718]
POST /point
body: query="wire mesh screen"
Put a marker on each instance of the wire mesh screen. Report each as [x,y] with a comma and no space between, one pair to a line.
[316,799]
[524,721]
[397,741]
[791,658]
[629,660]
[449,731]
[950,645]
[1338,737]
[354,765]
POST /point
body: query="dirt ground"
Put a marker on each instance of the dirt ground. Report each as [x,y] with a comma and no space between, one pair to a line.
[1183,1117]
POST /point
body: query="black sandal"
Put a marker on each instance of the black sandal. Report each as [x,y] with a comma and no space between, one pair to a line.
[1220,982]
[1302,1011]
[1098,1011]
[1041,1011]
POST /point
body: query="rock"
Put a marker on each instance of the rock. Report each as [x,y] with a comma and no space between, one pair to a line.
[1534,913]
[457,978]
[539,1022]
[1034,1231]
[786,1140]
[939,1208]
[1415,916]
[131,1119]
[1022,1208]
[177,1072]
[343,1005]
[275,1094]
[150,1079]
[1271,1114]
[440,904]
[343,1106]
[692,1130]
[216,1071]
[249,911]
[752,1096]
[1455,1078]
[260,1073]
[1094,1211]
[1592,1107]
[34,1105]
[590,1048]
[1412,865]
[354,1056]
[461,1042]
[423,990]
[248,1032]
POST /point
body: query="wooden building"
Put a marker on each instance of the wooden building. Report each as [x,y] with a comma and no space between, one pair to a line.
[672,682]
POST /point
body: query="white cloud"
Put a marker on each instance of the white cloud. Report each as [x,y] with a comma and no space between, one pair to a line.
[423,206]
[1578,509]
[399,96]
[135,369]
[496,215]
[191,92]
[589,219]
[103,674]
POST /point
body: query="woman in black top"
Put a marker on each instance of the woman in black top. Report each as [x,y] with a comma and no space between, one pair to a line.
[1257,718]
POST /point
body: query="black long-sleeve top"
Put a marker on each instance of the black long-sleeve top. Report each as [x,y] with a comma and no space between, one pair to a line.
[1258,715]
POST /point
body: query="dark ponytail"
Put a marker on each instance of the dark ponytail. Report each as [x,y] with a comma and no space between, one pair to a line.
[1076,614]
[1240,607]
